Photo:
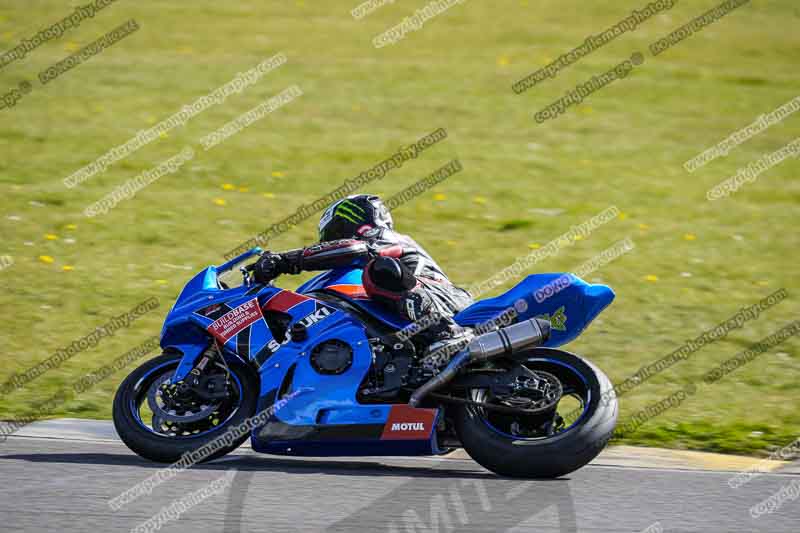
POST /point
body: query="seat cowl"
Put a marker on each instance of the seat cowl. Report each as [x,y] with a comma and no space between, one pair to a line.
[568,302]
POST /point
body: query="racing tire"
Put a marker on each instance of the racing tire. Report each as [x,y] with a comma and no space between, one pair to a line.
[546,457]
[168,449]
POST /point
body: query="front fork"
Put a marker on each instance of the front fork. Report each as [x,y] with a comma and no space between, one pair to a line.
[191,356]
[195,359]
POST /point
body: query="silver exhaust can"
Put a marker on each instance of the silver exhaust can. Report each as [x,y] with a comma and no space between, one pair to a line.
[505,341]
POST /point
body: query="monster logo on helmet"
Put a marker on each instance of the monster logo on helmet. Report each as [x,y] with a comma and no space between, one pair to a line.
[343,219]
[349,211]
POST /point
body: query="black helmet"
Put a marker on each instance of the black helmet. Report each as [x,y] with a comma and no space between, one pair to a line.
[344,218]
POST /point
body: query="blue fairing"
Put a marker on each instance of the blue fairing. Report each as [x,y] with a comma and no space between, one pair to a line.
[323,401]
[184,330]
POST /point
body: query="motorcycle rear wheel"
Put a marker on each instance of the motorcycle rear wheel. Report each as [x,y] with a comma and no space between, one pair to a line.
[549,456]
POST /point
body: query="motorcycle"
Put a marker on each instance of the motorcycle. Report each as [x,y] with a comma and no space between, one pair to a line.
[325,371]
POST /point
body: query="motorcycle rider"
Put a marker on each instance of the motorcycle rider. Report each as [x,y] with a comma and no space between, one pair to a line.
[398,272]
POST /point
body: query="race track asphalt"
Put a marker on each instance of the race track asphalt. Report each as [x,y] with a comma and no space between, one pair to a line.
[65,485]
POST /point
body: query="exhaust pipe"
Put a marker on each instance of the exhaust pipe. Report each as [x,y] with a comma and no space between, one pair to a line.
[504,341]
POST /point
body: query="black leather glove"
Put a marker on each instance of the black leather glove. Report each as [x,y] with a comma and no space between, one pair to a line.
[268,267]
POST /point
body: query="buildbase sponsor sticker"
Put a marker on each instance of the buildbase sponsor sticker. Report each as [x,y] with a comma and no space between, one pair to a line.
[235,320]
[406,422]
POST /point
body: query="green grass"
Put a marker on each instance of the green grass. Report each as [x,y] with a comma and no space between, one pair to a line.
[523,183]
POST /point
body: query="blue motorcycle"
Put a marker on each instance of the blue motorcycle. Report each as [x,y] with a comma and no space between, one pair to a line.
[325,371]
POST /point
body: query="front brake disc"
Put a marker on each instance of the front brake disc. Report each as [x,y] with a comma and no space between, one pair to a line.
[183,414]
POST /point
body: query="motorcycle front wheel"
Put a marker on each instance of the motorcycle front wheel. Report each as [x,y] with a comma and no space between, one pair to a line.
[164,432]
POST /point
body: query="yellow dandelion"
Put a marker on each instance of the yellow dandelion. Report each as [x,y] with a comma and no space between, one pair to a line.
[763,282]
[163,134]
[161,281]
[439,197]
[651,277]
[586,110]
[150,119]
[534,246]
[622,216]
[277,174]
[46,259]
[690,236]
[67,268]
[244,189]
[268,195]
[451,243]
[644,226]
[71,226]
[585,162]
[228,186]
[546,60]
[503,61]
[219,201]
[51,237]
[479,200]
[578,238]
[71,46]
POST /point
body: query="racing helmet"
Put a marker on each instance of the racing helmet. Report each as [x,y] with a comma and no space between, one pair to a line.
[343,219]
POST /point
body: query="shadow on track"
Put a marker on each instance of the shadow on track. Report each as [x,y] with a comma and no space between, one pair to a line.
[248,463]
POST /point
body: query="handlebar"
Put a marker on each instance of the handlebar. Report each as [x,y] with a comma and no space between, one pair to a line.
[236,260]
